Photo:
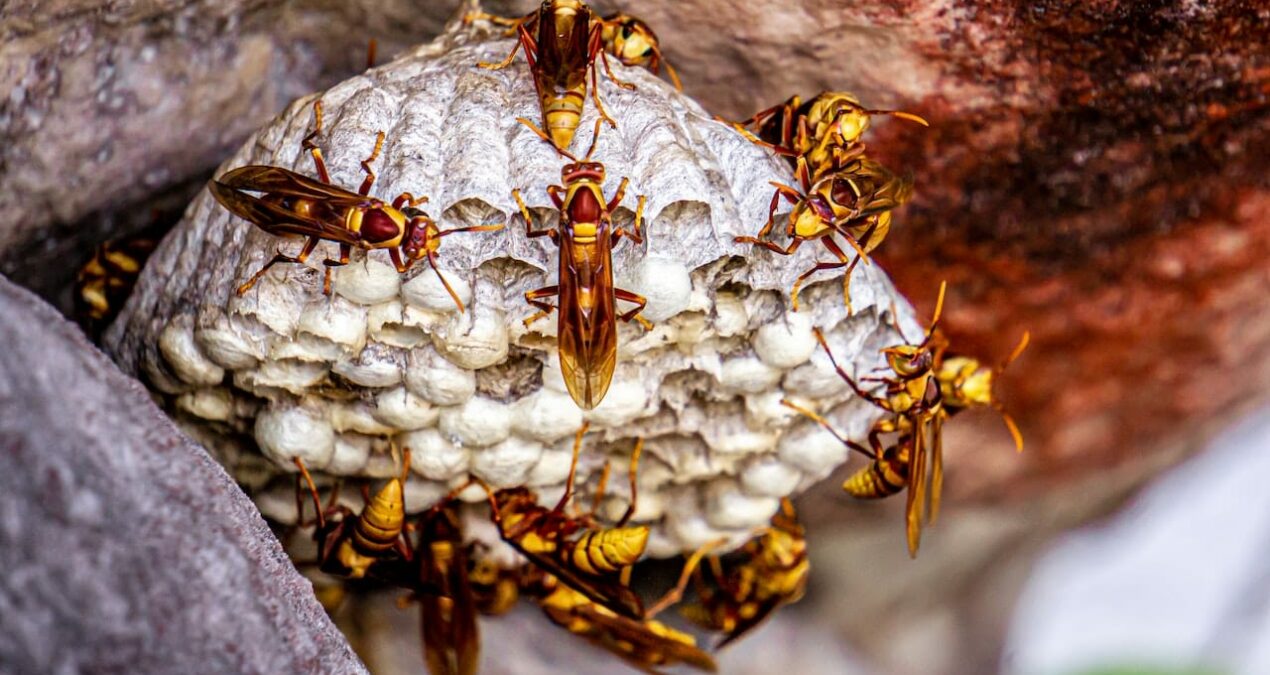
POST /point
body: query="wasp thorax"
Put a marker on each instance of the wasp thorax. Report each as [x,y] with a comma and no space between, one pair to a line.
[908,360]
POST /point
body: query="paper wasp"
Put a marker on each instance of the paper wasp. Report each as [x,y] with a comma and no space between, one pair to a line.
[854,203]
[104,282]
[587,325]
[569,38]
[645,644]
[292,204]
[964,382]
[632,42]
[593,560]
[353,546]
[915,403]
[451,637]
[770,571]
[825,129]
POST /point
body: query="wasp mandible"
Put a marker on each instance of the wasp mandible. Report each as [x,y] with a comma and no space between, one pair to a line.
[292,204]
[586,334]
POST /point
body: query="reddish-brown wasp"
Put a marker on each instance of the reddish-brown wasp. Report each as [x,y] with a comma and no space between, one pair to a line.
[854,203]
[568,40]
[292,204]
[104,282]
[586,333]
[748,586]
[826,129]
[593,560]
[354,545]
[451,638]
[632,42]
[915,405]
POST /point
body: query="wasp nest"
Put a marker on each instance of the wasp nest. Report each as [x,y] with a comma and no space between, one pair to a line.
[388,358]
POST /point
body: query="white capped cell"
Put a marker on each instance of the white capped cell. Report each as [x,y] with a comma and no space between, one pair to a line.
[765,411]
[730,317]
[786,342]
[215,405]
[816,378]
[624,403]
[433,456]
[335,320]
[183,356]
[420,494]
[479,422]
[425,291]
[769,477]
[508,463]
[352,452]
[285,434]
[475,340]
[386,324]
[747,375]
[296,377]
[375,367]
[546,416]
[438,380]
[811,449]
[727,508]
[400,409]
[227,347]
[357,417]
[664,283]
[367,281]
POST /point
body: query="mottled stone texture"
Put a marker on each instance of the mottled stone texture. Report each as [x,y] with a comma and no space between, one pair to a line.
[125,548]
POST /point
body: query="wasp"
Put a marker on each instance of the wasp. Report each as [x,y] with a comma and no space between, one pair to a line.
[965,382]
[632,42]
[448,611]
[587,298]
[104,282]
[747,587]
[645,644]
[595,561]
[352,545]
[914,401]
[825,129]
[854,204]
[568,41]
[292,204]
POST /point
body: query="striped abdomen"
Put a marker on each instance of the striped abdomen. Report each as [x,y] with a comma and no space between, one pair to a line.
[884,476]
[608,551]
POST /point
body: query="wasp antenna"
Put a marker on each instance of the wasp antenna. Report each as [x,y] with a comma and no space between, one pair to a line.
[900,114]
[594,138]
[1012,426]
[939,310]
[634,474]
[1018,350]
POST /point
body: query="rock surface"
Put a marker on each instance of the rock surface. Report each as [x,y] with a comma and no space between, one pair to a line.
[125,548]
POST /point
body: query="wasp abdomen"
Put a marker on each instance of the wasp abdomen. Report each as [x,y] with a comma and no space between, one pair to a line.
[608,551]
[882,478]
[382,520]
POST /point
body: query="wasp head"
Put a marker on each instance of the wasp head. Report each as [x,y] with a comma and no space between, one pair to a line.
[908,360]
[634,44]
[419,238]
[966,382]
[849,123]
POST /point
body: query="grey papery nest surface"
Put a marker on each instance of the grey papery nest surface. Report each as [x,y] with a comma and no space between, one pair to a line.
[388,358]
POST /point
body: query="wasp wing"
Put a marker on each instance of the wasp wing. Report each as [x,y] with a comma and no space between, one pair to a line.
[451,640]
[587,331]
[605,590]
[277,220]
[916,505]
[637,642]
[262,178]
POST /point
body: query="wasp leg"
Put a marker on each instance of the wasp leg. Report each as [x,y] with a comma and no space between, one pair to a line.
[617,196]
[370,174]
[596,46]
[530,232]
[277,258]
[309,145]
[676,594]
[842,261]
[407,199]
[634,474]
[573,468]
[608,69]
[495,19]
[636,233]
[525,40]
[345,251]
[880,402]
[639,301]
[535,298]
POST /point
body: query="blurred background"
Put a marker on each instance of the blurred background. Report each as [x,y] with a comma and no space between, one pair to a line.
[1094,173]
